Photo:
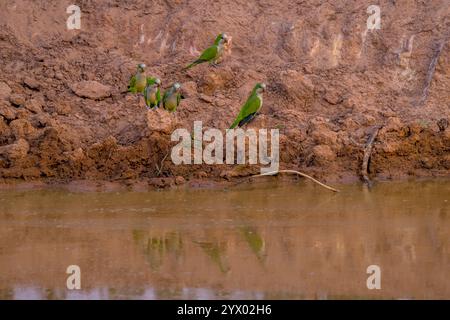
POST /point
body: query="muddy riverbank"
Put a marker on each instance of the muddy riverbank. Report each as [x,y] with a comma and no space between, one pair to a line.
[65,115]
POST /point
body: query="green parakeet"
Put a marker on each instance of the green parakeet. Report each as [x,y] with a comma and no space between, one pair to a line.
[138,81]
[152,94]
[172,98]
[255,241]
[213,53]
[217,252]
[251,106]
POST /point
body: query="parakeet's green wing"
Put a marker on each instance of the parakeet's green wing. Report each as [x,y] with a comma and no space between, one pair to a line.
[158,96]
[147,102]
[166,94]
[132,84]
[208,54]
[250,107]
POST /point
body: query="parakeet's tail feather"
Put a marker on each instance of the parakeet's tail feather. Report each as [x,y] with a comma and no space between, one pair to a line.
[247,119]
[196,62]
[235,123]
[191,65]
[240,122]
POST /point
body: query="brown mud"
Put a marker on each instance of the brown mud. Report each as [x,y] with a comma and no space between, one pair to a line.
[65,116]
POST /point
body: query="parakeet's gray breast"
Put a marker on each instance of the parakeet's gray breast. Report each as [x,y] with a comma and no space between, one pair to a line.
[152,93]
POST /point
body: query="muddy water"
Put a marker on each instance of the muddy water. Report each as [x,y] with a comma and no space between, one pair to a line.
[261,241]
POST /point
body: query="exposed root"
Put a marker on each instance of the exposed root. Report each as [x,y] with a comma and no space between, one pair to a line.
[298,173]
[160,168]
[430,73]
[367,154]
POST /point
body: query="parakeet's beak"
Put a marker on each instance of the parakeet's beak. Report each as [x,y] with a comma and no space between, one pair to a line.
[227,43]
[158,81]
[263,87]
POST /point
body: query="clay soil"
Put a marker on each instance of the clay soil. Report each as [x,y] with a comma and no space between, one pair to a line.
[65,115]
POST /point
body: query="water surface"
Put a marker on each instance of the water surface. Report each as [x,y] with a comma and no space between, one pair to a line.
[265,241]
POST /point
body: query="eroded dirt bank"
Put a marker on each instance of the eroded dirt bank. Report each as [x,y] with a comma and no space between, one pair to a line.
[65,115]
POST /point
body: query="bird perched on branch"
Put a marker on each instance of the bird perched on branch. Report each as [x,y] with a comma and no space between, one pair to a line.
[152,94]
[213,53]
[139,80]
[172,98]
[251,106]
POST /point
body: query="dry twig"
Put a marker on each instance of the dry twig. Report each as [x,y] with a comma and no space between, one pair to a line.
[430,73]
[298,173]
[159,168]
